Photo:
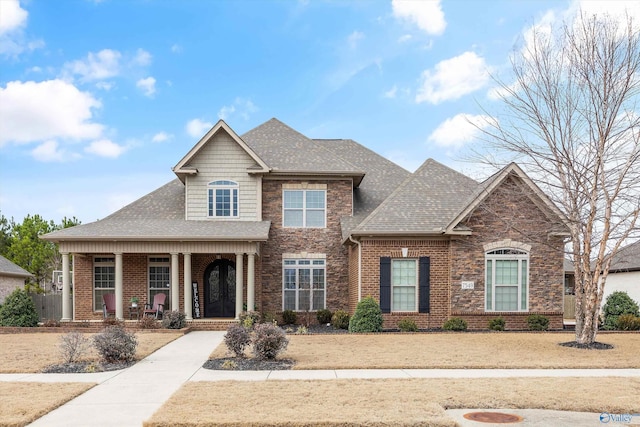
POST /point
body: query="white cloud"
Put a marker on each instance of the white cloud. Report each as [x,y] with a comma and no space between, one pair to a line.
[176,48]
[391,93]
[105,85]
[241,106]
[12,16]
[427,15]
[197,128]
[50,109]
[147,85]
[405,38]
[97,66]
[48,151]
[453,78]
[354,39]
[142,58]
[105,148]
[226,111]
[161,137]
[459,129]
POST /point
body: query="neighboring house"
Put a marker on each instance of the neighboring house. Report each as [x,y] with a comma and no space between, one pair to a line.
[12,277]
[624,274]
[273,220]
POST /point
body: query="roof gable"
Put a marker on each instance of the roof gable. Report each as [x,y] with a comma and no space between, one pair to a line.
[182,168]
[8,268]
[627,258]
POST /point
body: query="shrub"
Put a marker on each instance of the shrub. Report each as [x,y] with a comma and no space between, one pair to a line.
[617,304]
[173,320]
[538,322]
[340,320]
[18,310]
[269,317]
[628,322]
[407,325]
[289,317]
[497,324]
[237,339]
[367,317]
[148,322]
[115,344]
[324,316]
[302,330]
[112,321]
[455,324]
[73,346]
[249,318]
[229,365]
[51,323]
[268,341]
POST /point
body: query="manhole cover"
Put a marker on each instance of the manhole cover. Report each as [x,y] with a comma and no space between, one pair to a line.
[493,417]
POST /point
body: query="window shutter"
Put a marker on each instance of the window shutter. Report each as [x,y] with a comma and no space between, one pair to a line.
[385,284]
[424,290]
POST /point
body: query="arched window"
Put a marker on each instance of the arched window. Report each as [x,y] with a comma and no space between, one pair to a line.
[507,278]
[223,199]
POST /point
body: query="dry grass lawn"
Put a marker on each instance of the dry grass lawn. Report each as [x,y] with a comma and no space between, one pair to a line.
[23,403]
[397,402]
[451,350]
[24,352]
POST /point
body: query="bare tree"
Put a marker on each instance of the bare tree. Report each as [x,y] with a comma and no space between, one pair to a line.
[570,120]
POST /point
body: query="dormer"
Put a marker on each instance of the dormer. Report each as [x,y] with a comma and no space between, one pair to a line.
[222,177]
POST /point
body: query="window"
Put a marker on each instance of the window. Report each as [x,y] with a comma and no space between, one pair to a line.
[159,279]
[304,208]
[507,275]
[404,284]
[223,199]
[304,284]
[104,279]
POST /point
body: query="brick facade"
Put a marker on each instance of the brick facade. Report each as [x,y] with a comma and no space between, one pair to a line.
[305,240]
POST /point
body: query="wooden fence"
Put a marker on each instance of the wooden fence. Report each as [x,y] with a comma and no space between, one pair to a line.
[569,307]
[49,306]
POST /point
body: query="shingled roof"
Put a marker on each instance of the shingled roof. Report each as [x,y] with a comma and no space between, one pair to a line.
[626,259]
[7,268]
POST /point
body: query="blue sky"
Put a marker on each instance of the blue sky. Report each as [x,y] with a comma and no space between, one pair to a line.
[99,99]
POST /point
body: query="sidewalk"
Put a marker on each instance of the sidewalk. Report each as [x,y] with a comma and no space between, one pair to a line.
[129,397]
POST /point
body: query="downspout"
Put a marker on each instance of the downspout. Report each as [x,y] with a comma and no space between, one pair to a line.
[359,267]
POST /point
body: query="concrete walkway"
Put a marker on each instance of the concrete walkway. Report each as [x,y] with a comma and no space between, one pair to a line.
[130,396]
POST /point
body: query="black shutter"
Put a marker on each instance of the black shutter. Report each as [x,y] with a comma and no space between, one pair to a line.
[385,284]
[424,290]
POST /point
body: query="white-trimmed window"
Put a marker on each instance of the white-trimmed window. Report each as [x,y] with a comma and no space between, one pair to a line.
[404,285]
[304,208]
[223,199]
[304,286]
[159,278]
[104,279]
[507,278]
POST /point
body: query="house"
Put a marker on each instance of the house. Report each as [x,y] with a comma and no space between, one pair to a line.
[273,220]
[624,273]
[12,277]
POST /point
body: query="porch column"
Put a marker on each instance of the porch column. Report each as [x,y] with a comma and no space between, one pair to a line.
[251,282]
[119,287]
[239,280]
[188,296]
[175,286]
[66,288]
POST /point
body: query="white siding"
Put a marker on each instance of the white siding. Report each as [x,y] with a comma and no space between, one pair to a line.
[627,282]
[160,247]
[222,159]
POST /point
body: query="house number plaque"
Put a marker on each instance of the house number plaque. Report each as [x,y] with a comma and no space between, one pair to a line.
[467,285]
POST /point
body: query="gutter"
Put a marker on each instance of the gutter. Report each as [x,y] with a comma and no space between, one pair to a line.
[359,267]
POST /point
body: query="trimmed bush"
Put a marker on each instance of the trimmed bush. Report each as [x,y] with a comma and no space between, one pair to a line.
[289,317]
[340,320]
[115,345]
[148,322]
[407,325]
[628,322]
[538,322]
[73,346]
[455,324]
[18,310]
[497,324]
[617,304]
[237,339]
[249,319]
[268,341]
[367,318]
[173,320]
[324,316]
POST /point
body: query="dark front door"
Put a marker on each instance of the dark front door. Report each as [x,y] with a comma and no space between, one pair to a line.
[220,289]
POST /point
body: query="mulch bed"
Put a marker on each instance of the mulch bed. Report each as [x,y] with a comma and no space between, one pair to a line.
[85,367]
[248,364]
[593,346]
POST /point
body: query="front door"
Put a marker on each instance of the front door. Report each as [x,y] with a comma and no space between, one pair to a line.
[220,289]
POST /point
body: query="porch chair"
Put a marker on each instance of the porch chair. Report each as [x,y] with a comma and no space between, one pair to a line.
[109,305]
[157,308]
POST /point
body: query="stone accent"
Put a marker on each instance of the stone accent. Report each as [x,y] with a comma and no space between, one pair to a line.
[310,240]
